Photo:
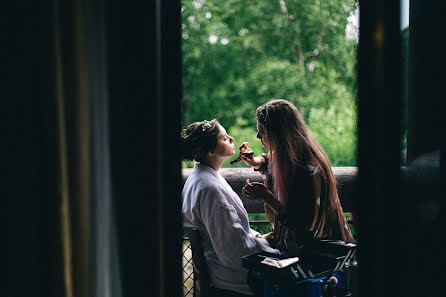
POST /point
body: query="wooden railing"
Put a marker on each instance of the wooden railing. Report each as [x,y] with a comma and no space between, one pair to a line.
[236,177]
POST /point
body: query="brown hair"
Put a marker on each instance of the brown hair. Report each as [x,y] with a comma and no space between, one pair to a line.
[291,145]
[199,138]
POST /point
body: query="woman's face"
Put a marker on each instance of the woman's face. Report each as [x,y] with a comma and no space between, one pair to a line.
[262,136]
[225,145]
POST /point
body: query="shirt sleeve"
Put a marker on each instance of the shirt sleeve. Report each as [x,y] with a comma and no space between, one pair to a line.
[230,240]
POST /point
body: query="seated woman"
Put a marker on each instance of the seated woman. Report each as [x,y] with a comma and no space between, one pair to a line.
[210,205]
[300,189]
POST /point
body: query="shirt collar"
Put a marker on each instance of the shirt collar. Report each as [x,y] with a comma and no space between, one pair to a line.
[206,168]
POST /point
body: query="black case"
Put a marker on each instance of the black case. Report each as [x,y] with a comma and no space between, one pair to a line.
[321,258]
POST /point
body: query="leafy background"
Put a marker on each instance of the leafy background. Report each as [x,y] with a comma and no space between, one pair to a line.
[238,55]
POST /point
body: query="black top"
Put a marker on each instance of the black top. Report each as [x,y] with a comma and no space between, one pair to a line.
[306,214]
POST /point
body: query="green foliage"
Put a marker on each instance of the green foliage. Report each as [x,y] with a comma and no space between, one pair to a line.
[335,129]
[187,164]
[239,54]
[261,228]
[352,227]
[257,217]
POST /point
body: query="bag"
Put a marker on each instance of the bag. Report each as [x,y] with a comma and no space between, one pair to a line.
[307,277]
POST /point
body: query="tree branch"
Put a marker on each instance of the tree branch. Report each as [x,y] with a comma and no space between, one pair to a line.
[317,48]
[285,10]
[300,55]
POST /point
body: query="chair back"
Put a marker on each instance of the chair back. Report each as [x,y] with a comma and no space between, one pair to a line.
[201,273]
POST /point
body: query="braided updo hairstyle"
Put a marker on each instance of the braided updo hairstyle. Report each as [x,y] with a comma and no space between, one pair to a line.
[198,139]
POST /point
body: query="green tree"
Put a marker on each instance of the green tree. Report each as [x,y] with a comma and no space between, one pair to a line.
[239,54]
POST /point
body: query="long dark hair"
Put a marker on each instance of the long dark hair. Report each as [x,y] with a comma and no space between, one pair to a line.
[292,145]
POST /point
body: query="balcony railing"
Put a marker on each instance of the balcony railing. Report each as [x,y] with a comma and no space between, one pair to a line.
[236,178]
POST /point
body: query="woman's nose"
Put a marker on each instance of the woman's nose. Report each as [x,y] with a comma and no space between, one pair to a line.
[231,139]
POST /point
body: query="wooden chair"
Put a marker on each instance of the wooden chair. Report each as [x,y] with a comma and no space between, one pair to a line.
[201,273]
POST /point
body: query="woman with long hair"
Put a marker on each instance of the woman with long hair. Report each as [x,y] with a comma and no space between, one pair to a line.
[211,206]
[299,192]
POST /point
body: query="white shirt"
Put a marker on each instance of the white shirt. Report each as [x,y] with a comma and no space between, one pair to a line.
[211,206]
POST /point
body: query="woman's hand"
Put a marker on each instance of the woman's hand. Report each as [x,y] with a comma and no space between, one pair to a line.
[247,155]
[256,191]
[269,237]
